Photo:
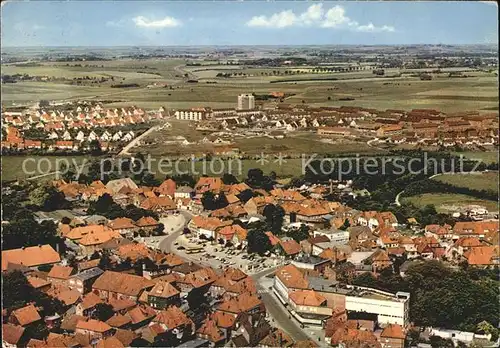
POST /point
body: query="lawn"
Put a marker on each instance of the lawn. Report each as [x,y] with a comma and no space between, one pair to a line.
[479,181]
[12,166]
[446,203]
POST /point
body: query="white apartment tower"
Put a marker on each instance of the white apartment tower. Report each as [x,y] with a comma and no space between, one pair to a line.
[246,102]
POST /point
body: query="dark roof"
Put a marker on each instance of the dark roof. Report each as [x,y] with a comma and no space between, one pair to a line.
[186,268]
[89,273]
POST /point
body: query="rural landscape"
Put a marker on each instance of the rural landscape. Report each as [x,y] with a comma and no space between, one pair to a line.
[255,190]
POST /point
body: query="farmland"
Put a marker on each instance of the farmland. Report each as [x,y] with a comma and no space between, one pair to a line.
[478,181]
[478,91]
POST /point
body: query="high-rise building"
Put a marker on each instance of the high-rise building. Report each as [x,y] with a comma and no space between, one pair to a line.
[246,102]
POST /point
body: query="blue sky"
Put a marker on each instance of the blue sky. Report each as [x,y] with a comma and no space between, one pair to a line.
[165,23]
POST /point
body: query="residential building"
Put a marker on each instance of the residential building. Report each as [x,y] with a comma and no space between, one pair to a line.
[246,102]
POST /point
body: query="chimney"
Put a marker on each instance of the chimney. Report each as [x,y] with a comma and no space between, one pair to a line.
[331,186]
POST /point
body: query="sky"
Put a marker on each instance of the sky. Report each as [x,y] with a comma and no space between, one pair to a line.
[175,23]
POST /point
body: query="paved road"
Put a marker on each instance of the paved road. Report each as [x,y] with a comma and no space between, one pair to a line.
[125,150]
[166,244]
[277,310]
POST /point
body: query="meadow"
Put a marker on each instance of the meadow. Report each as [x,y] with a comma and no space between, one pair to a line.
[447,203]
[478,181]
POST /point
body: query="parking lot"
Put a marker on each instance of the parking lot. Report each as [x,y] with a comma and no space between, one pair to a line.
[218,256]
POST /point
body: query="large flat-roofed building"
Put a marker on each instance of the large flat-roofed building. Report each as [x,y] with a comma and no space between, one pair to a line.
[192,114]
[246,102]
[389,308]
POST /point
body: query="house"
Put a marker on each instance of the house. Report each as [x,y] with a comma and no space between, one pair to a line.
[82,281]
[25,316]
[309,306]
[167,188]
[393,336]
[147,223]
[183,192]
[59,275]
[211,332]
[474,228]
[162,295]
[289,248]
[483,256]
[206,184]
[123,225]
[12,335]
[172,320]
[94,328]
[88,304]
[232,233]
[159,204]
[31,257]
[206,227]
[120,285]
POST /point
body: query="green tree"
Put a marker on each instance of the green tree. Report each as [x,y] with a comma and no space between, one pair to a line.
[274,217]
[106,206]
[299,234]
[208,200]
[245,195]
[258,242]
[345,225]
[48,198]
[95,148]
[24,231]
[103,311]
[229,179]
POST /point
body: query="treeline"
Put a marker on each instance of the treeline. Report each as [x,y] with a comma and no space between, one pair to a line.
[443,297]
[125,85]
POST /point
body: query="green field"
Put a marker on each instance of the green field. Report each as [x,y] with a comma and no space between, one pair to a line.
[487,157]
[446,203]
[479,181]
[12,166]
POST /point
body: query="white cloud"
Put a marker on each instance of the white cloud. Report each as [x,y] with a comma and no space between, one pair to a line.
[370,28]
[167,22]
[315,15]
[278,20]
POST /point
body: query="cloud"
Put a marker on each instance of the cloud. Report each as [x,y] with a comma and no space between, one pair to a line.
[167,22]
[315,15]
[278,20]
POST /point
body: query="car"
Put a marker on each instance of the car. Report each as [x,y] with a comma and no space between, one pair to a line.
[244,256]
[180,248]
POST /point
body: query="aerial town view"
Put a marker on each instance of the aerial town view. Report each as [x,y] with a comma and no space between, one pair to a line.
[250,174]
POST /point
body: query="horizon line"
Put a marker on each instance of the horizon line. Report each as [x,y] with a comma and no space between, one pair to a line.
[263,45]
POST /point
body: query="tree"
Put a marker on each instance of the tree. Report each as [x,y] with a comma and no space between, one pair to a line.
[17,292]
[48,198]
[258,242]
[23,231]
[103,311]
[106,206]
[208,200]
[95,148]
[345,225]
[245,195]
[229,179]
[274,217]
[299,234]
